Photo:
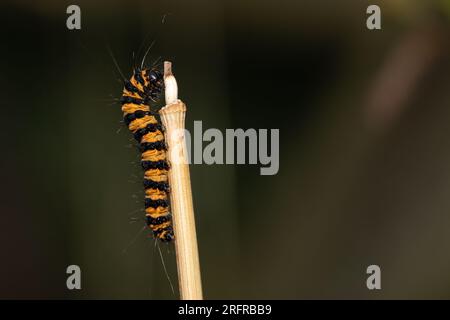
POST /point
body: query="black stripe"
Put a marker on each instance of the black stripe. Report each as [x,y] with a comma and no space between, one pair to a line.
[138,77]
[151,127]
[130,87]
[161,165]
[135,115]
[150,184]
[158,145]
[159,220]
[127,99]
[149,203]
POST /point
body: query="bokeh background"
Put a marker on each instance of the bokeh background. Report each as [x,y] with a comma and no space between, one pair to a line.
[364,148]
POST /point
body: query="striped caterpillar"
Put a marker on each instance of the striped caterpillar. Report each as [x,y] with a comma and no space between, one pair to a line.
[144,86]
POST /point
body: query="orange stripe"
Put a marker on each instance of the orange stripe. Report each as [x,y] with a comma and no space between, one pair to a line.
[132,107]
[153,136]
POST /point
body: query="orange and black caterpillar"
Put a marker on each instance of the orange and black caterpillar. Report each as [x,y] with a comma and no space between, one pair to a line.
[145,86]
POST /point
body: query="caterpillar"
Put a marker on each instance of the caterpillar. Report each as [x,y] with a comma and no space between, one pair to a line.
[144,87]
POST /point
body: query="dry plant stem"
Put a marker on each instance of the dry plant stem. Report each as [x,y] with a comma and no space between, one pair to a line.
[170,83]
[172,116]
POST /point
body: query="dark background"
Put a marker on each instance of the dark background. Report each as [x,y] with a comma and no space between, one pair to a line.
[364,148]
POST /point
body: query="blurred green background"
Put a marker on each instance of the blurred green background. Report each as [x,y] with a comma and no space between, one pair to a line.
[364,148]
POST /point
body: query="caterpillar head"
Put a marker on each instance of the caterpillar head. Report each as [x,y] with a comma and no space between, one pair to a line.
[154,76]
[151,80]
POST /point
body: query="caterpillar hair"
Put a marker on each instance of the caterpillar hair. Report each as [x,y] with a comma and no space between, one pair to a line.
[144,87]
